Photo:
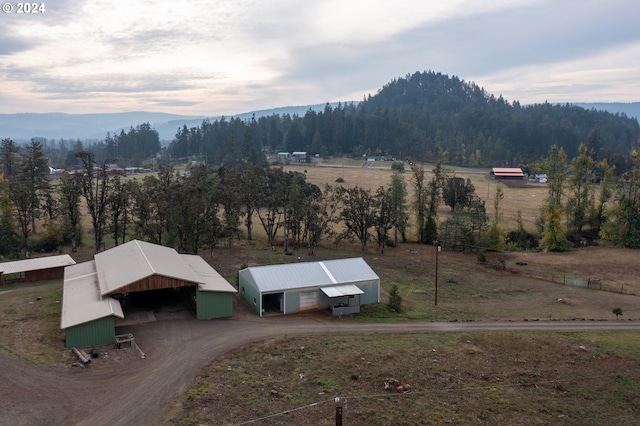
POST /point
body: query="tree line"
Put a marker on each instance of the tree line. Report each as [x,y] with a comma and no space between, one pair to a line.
[211,207]
[416,117]
[201,210]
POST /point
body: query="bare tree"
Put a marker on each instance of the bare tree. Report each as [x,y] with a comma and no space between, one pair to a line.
[95,188]
[70,193]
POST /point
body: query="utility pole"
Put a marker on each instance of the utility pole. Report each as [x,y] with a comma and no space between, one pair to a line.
[338,411]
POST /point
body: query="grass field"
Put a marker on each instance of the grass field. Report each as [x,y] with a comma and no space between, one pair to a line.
[574,378]
[488,378]
[527,200]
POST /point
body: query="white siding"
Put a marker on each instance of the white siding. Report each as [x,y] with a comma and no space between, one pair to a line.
[309,300]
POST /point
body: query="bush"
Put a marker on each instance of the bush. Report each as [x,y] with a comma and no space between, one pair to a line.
[395,300]
[397,166]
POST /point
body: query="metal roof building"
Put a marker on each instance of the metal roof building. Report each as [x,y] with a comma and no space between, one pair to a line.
[341,284]
[36,269]
[514,173]
[89,310]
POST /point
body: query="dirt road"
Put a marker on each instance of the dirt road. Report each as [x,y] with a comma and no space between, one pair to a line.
[142,390]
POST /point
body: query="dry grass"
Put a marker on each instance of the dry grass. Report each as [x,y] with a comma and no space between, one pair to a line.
[527,200]
[480,378]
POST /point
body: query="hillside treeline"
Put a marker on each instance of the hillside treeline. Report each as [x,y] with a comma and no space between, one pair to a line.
[417,117]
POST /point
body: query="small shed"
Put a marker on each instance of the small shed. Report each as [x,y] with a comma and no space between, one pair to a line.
[342,285]
[91,289]
[36,269]
[507,173]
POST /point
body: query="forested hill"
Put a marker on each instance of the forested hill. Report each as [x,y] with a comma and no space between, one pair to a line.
[415,117]
[476,127]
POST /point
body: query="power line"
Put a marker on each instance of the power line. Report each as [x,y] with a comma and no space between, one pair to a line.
[314,404]
[429,392]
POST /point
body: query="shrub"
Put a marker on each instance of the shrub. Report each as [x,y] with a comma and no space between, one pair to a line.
[397,166]
[617,312]
[395,300]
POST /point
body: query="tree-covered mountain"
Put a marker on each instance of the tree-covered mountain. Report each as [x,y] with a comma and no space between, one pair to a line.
[418,116]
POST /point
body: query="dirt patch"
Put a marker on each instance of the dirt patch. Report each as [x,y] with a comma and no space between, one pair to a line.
[521,183]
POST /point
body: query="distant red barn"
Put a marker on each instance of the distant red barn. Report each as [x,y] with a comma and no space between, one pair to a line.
[507,173]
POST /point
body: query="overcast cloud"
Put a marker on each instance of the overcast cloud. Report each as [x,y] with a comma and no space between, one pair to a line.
[230,56]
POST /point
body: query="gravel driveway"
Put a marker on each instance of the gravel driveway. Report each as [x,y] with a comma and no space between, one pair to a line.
[139,391]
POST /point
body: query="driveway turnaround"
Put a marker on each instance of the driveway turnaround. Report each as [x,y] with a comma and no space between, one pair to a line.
[142,391]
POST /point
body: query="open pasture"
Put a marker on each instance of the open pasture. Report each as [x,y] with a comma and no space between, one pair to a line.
[526,199]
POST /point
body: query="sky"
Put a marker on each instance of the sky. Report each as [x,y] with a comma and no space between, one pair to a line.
[215,57]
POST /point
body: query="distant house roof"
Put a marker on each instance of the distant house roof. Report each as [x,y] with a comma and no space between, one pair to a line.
[507,171]
[81,298]
[36,264]
[135,260]
[273,278]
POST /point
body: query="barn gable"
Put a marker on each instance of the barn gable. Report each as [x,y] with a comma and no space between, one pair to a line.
[88,308]
[142,266]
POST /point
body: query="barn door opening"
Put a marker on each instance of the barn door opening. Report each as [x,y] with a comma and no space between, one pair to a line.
[272,304]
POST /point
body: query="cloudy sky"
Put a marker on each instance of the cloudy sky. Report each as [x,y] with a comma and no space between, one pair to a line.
[232,56]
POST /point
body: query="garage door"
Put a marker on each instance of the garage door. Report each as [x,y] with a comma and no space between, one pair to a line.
[309,300]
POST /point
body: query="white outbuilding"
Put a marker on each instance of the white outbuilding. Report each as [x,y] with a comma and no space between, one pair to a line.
[342,285]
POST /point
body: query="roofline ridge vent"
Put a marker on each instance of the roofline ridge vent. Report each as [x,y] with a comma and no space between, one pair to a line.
[145,257]
[326,270]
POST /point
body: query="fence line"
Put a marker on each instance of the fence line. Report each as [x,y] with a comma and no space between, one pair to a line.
[591,283]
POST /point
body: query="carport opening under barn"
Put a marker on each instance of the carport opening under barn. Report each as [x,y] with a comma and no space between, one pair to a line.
[137,276]
[341,285]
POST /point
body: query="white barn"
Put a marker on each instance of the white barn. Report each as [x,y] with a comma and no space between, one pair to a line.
[342,285]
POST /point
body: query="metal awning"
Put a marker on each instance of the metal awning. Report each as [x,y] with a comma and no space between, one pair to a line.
[342,290]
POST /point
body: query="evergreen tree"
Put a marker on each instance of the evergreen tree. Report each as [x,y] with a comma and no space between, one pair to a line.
[34,173]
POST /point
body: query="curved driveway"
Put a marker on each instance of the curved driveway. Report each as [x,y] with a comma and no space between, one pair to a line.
[142,393]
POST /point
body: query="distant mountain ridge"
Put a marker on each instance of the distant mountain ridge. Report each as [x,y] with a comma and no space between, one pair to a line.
[631,109]
[55,125]
[24,126]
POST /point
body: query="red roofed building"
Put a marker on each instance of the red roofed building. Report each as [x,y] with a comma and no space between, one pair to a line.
[505,173]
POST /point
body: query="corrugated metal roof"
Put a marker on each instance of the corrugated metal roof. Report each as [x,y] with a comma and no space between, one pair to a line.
[350,270]
[36,264]
[507,171]
[273,278]
[210,279]
[81,298]
[135,260]
[342,290]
